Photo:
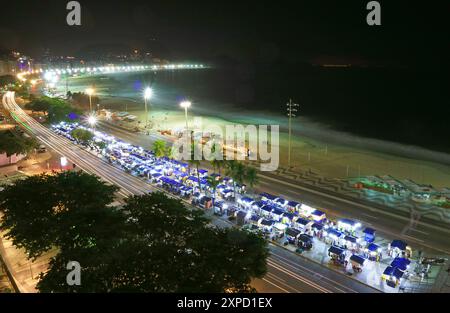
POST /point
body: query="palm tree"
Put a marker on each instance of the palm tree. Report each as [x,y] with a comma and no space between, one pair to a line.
[251,176]
[193,162]
[159,148]
[235,170]
[213,183]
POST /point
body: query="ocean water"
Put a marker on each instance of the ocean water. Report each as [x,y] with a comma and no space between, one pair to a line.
[354,106]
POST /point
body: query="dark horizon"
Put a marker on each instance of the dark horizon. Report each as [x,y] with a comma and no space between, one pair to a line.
[287,32]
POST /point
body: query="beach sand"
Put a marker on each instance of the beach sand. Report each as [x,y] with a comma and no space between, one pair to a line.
[329,160]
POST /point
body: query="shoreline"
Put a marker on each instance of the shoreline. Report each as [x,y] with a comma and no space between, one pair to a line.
[348,156]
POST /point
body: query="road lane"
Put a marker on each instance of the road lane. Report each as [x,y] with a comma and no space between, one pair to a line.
[291,273]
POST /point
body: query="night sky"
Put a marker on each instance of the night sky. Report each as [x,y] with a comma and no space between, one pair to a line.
[412,33]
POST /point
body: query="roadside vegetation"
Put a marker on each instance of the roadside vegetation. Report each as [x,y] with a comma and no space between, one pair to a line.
[56,109]
[152,244]
[13,142]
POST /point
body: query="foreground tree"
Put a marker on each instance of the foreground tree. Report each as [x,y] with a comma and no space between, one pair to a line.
[165,248]
[14,143]
[82,135]
[69,209]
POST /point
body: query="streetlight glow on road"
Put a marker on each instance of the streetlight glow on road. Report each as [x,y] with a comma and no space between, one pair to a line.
[92,120]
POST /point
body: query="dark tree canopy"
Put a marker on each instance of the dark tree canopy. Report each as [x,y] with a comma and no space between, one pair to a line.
[58,210]
[154,243]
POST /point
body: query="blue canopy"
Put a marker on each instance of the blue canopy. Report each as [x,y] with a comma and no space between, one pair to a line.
[317,226]
[335,232]
[401,245]
[292,232]
[373,247]
[293,203]
[336,250]
[358,259]
[267,222]
[277,211]
[317,213]
[246,199]
[393,271]
[350,238]
[193,178]
[348,221]
[400,263]
[302,221]
[268,196]
[369,231]
[289,216]
[260,203]
[202,171]
[255,218]
[280,201]
[267,208]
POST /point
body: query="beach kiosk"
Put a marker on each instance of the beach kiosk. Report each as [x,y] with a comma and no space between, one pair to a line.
[267,197]
[373,252]
[293,206]
[392,276]
[348,225]
[337,255]
[318,216]
[266,225]
[245,202]
[292,235]
[303,224]
[277,214]
[305,241]
[280,202]
[305,210]
[401,263]
[266,210]
[278,230]
[399,248]
[333,236]
[369,235]
[357,262]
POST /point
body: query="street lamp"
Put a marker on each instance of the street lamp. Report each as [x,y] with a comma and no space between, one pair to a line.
[90,92]
[185,105]
[92,120]
[147,95]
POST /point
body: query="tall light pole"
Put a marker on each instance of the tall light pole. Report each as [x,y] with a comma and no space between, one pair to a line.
[147,95]
[291,109]
[185,105]
[90,92]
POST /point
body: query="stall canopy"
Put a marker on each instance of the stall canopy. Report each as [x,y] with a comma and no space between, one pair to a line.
[357,259]
[293,204]
[267,208]
[401,245]
[318,214]
[305,238]
[393,271]
[246,200]
[267,196]
[277,212]
[292,232]
[373,247]
[267,222]
[317,226]
[334,232]
[336,250]
[369,234]
[302,221]
[350,239]
[400,263]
